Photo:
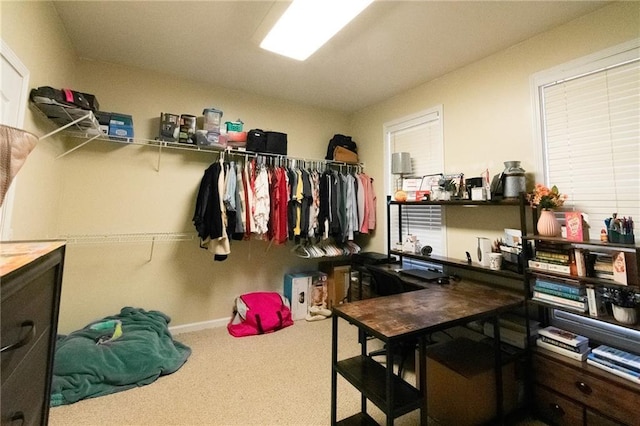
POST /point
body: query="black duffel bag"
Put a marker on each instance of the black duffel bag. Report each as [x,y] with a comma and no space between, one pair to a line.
[343,141]
[276,143]
[256,140]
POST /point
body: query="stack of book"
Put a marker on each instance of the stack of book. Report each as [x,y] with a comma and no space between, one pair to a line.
[562,294]
[513,329]
[552,257]
[621,363]
[603,266]
[563,342]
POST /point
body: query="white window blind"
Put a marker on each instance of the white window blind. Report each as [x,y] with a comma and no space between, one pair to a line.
[591,141]
[421,136]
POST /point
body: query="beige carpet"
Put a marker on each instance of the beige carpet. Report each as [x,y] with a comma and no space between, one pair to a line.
[282,378]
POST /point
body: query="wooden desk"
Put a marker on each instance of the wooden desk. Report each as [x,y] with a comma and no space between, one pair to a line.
[411,315]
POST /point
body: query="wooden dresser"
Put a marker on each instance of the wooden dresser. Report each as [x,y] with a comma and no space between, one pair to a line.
[570,392]
[30,284]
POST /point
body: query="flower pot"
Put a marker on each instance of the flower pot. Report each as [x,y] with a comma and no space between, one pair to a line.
[624,315]
[548,225]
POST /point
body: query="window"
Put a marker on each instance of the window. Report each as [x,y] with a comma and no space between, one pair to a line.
[421,136]
[589,115]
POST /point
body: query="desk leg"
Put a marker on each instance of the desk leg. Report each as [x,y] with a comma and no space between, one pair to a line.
[334,373]
[422,379]
[389,383]
[362,337]
[498,370]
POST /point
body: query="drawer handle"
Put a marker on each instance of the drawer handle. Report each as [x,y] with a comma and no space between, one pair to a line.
[584,388]
[26,339]
[557,410]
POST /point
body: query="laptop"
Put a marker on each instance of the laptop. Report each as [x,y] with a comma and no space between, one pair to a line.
[423,274]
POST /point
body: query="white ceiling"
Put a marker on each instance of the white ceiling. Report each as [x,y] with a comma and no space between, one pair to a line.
[391,47]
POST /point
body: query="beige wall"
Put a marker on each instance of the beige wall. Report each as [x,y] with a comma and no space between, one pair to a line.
[488,115]
[113,188]
[106,188]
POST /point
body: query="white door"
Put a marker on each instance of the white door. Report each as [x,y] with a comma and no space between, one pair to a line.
[13,99]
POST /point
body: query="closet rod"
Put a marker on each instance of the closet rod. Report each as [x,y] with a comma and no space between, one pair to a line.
[231,151]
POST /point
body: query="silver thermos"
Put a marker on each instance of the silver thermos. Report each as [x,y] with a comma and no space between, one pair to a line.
[514,180]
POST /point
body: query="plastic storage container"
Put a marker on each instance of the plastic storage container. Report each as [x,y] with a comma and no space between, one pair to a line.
[212,118]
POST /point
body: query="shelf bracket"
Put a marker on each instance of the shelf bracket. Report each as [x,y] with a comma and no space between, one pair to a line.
[59,129]
[77,146]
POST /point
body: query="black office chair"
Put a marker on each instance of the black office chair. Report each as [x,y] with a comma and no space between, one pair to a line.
[386,283]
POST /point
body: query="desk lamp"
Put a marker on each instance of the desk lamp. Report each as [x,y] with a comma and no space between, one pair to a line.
[400,165]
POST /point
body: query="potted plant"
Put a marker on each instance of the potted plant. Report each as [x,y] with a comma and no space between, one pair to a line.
[623,304]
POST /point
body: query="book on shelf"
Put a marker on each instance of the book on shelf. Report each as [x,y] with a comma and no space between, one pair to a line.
[564,336]
[618,363]
[595,303]
[560,293]
[618,356]
[612,368]
[545,256]
[578,349]
[546,266]
[570,287]
[545,297]
[557,349]
[580,256]
[624,267]
[566,286]
[561,305]
[577,229]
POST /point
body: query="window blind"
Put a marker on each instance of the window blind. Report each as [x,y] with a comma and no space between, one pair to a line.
[421,136]
[591,141]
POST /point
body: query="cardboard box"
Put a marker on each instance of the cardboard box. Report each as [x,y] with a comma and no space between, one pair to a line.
[461,386]
[338,285]
[296,290]
[338,280]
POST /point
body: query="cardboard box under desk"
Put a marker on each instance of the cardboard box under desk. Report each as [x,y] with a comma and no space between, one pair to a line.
[461,381]
[338,280]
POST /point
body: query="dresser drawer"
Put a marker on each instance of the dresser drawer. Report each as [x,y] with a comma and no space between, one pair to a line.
[27,312]
[24,392]
[595,419]
[557,410]
[594,391]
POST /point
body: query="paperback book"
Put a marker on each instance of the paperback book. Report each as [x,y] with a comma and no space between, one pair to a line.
[570,354]
[612,368]
[618,356]
[558,286]
[564,336]
[571,296]
[578,304]
[578,349]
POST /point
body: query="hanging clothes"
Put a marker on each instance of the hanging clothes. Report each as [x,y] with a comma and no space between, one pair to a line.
[210,217]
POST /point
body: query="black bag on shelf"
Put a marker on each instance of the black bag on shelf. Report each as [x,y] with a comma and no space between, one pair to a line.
[256,140]
[276,143]
[343,141]
[65,97]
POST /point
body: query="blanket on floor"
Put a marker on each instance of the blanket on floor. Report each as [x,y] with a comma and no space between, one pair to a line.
[117,353]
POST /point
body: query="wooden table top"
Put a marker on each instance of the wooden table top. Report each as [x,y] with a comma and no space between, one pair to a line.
[16,254]
[437,307]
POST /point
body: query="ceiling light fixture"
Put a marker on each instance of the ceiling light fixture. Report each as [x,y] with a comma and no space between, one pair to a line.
[308,24]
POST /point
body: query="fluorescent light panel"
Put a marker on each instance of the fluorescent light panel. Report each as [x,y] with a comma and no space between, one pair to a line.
[308,24]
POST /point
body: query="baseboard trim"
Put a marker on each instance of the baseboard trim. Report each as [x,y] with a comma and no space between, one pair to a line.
[197,326]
